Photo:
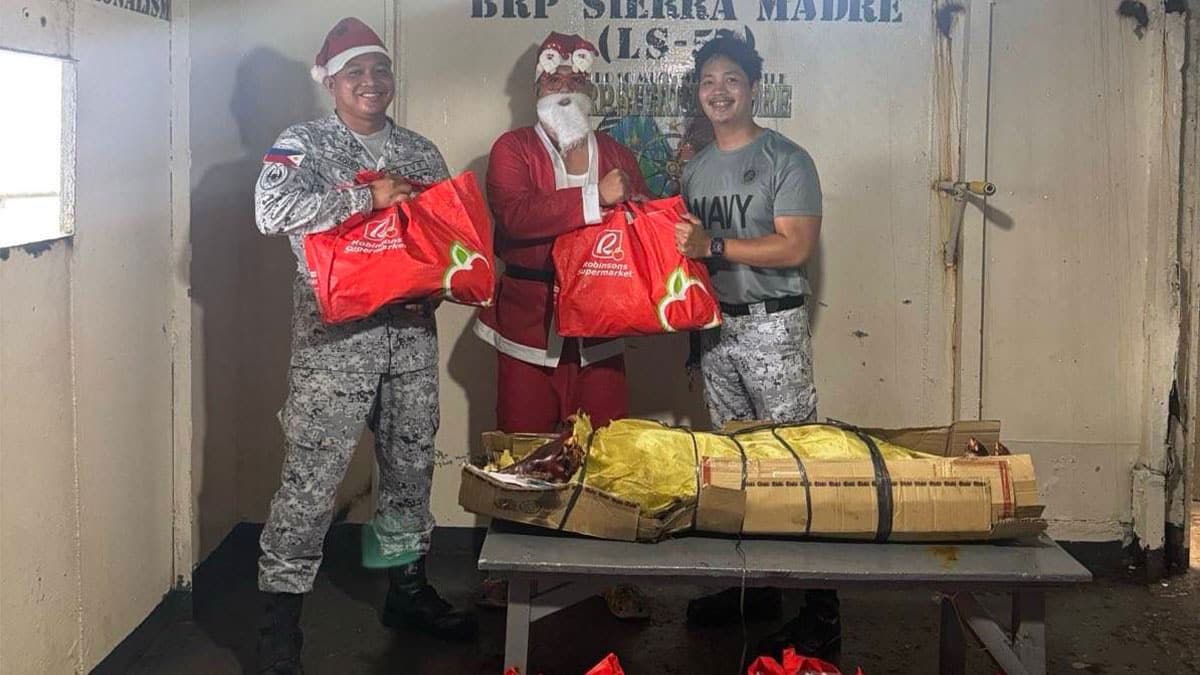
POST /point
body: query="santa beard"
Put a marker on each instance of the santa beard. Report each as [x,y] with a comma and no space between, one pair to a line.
[567,124]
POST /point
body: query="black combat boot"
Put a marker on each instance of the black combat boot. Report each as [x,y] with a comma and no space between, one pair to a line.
[726,607]
[279,635]
[816,631]
[413,603]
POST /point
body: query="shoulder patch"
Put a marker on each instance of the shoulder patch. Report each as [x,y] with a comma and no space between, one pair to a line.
[285,156]
[273,175]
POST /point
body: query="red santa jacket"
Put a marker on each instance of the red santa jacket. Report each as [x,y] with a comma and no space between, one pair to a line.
[532,204]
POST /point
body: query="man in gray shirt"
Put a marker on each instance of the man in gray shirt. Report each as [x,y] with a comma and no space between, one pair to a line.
[755,215]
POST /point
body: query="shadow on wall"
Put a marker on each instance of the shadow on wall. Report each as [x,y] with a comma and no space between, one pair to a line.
[241,282]
[815,271]
[472,363]
[521,106]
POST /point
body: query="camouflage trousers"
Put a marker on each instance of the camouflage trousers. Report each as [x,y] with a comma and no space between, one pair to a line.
[325,414]
[759,367]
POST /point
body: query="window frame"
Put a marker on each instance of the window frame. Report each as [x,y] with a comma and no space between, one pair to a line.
[65,226]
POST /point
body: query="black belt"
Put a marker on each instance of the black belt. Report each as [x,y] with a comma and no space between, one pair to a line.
[529,274]
[771,306]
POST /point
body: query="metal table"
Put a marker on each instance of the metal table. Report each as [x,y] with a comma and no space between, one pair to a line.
[547,571]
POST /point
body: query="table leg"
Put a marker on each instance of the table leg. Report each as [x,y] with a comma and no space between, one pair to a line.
[516,636]
[1029,630]
[953,649]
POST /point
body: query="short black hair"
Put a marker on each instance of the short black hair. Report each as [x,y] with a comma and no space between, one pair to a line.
[735,49]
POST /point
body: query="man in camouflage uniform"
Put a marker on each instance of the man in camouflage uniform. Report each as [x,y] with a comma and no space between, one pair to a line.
[381,371]
[755,214]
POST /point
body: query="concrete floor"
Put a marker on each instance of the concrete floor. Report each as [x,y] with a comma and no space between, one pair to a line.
[1113,626]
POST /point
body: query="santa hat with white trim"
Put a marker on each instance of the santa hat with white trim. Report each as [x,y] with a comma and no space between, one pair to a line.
[565,50]
[348,39]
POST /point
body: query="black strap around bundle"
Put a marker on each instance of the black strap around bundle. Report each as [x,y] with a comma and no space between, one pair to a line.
[529,274]
[583,466]
[883,488]
[804,482]
[883,478]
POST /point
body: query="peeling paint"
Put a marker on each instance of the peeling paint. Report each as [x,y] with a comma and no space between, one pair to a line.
[1139,13]
[946,16]
[1149,507]
[36,249]
[1074,529]
[947,128]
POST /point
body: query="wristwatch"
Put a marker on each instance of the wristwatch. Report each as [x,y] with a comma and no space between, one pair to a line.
[716,247]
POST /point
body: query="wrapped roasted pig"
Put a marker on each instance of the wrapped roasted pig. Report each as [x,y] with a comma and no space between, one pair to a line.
[818,480]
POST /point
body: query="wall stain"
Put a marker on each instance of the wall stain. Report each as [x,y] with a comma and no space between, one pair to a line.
[35,249]
[946,15]
[1138,12]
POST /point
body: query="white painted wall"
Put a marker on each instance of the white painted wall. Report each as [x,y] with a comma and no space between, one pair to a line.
[85,366]
[121,319]
[1072,142]
[39,520]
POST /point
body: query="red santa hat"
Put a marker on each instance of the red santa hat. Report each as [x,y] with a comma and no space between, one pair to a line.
[565,50]
[348,39]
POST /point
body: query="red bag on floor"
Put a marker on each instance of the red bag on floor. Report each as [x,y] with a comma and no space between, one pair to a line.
[609,666]
[793,664]
[438,244]
[625,277]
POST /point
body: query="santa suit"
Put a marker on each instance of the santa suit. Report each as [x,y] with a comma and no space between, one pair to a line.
[543,377]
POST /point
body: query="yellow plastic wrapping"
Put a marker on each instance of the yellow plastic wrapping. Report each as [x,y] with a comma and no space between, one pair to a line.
[656,466]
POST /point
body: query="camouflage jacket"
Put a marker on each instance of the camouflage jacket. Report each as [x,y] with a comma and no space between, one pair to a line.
[307,185]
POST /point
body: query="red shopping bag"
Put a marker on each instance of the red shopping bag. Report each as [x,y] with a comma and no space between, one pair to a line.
[793,664]
[438,244]
[609,666]
[625,277]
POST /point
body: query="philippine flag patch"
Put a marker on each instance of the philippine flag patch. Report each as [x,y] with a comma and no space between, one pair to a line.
[284,156]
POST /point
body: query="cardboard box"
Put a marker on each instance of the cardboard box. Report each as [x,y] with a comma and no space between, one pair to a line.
[571,507]
[944,499]
[948,441]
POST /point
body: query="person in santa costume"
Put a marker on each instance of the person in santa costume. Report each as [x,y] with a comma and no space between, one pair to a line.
[381,371]
[543,181]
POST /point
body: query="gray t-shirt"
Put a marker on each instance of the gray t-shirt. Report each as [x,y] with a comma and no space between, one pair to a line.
[737,195]
[375,143]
